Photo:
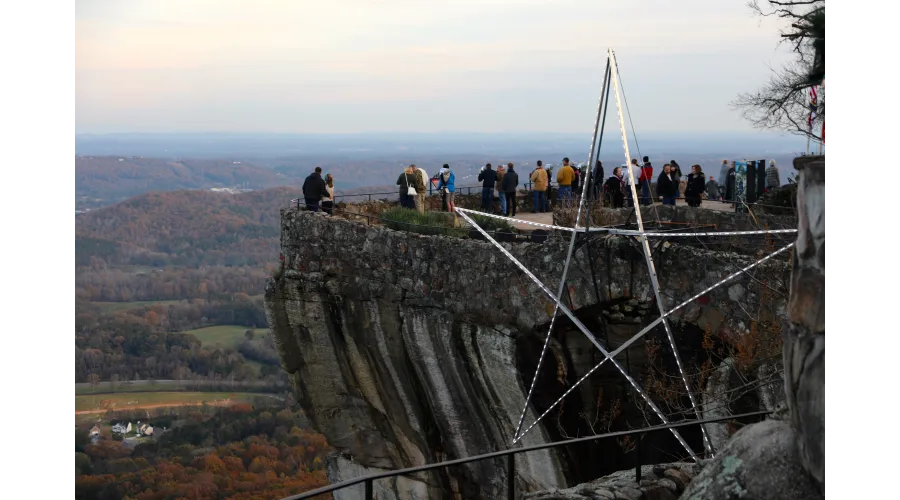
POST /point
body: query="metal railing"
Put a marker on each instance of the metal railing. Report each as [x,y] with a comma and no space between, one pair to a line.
[432,191]
[511,458]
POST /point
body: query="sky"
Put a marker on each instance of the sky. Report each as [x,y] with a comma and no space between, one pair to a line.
[350,66]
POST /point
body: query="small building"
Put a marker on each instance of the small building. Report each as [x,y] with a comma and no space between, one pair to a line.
[95,431]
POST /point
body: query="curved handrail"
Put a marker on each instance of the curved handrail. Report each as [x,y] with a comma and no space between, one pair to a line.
[511,453]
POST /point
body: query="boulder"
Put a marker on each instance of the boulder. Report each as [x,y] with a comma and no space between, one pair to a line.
[760,462]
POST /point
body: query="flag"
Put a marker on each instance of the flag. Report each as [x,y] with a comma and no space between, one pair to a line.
[813,103]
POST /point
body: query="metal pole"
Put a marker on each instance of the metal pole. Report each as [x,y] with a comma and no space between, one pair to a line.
[369,494]
[562,281]
[511,476]
[637,455]
[651,269]
[822,138]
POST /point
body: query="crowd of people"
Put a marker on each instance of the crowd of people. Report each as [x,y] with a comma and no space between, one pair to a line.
[615,191]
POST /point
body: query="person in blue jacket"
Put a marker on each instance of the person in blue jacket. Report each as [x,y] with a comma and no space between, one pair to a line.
[446,185]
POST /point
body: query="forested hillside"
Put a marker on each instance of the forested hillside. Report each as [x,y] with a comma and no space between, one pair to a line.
[159,264]
[106,179]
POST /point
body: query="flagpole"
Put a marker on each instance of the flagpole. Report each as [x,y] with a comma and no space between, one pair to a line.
[822,139]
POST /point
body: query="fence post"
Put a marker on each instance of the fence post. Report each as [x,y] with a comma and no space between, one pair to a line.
[369,494]
[637,453]
[511,476]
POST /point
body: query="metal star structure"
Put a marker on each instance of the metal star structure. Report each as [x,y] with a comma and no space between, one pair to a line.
[611,78]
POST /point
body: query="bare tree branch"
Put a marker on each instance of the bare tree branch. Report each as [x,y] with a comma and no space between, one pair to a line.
[783,103]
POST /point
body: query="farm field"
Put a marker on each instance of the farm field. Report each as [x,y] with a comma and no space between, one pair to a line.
[112,307]
[128,401]
[224,335]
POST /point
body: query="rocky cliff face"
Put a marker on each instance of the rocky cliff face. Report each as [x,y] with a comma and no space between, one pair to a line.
[784,458]
[406,349]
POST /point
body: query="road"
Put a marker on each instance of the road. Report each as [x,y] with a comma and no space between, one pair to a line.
[163,385]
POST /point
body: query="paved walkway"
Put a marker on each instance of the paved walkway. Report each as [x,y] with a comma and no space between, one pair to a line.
[547,218]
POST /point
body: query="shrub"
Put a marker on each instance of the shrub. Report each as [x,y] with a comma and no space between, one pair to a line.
[491,224]
[429,223]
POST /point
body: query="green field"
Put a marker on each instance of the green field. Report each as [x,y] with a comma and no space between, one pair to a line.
[111,307]
[137,400]
[223,335]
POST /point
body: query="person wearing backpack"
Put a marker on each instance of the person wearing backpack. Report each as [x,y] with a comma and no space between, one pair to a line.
[509,185]
[446,184]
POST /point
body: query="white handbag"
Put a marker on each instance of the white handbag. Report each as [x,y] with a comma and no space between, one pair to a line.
[410,190]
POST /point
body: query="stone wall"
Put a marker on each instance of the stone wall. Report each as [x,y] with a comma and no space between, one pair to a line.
[406,349]
[777,459]
[804,345]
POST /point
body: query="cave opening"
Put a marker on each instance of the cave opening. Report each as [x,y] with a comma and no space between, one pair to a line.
[606,402]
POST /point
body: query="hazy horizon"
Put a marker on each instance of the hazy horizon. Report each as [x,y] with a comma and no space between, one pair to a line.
[366,66]
[410,145]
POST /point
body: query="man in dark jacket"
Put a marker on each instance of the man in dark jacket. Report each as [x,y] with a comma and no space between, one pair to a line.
[314,190]
[488,178]
[730,185]
[509,185]
[597,179]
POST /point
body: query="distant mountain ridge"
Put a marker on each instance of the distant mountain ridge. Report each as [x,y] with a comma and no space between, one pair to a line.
[272,146]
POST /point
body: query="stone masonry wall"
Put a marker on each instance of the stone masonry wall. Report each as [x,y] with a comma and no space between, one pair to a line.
[402,347]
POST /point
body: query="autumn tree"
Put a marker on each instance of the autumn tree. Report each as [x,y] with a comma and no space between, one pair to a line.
[783,103]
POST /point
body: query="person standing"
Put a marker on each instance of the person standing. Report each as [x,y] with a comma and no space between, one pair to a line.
[501,172]
[328,205]
[576,182]
[421,188]
[723,172]
[488,178]
[446,183]
[509,185]
[646,179]
[730,185]
[614,188]
[635,170]
[676,174]
[773,177]
[539,188]
[696,185]
[665,186]
[712,189]
[408,191]
[597,180]
[564,178]
[314,190]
